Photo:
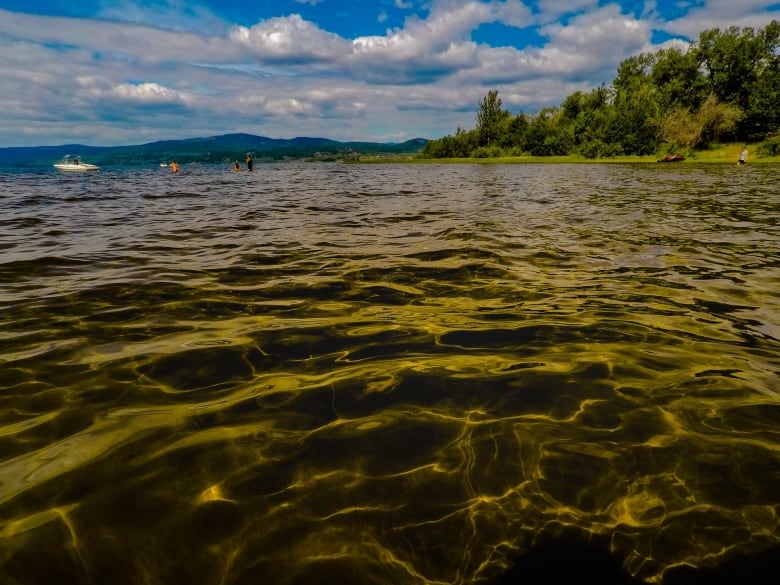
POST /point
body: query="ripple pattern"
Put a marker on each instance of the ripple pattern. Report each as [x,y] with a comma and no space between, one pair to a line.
[408,374]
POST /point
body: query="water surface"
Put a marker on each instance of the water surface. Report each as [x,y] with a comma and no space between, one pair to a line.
[404,374]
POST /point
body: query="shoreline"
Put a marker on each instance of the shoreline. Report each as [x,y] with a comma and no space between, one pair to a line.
[571,159]
[726,154]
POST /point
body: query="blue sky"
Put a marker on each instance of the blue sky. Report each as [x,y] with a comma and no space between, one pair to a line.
[127,72]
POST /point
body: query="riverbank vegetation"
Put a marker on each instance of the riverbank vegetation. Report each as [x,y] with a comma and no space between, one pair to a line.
[724,89]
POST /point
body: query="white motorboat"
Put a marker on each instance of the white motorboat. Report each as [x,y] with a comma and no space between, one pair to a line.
[74,164]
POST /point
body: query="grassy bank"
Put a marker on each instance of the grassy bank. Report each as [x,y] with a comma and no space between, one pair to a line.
[721,154]
[729,153]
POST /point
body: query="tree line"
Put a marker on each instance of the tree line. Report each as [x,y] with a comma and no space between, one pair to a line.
[724,88]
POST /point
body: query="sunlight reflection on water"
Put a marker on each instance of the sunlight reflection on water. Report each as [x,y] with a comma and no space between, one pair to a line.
[385,373]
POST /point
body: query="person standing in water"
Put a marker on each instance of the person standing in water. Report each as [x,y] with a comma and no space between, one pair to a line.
[175,167]
[249,161]
[743,156]
[236,166]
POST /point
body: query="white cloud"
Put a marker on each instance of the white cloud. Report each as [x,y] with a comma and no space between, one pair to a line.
[287,76]
[139,43]
[723,14]
[604,34]
[289,38]
[433,47]
[146,93]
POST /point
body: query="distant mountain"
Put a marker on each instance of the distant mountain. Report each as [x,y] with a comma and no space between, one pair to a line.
[213,149]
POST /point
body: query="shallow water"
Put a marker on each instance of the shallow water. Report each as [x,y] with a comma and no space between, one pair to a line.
[385,373]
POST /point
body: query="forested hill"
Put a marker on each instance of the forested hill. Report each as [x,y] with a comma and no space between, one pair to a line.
[213,149]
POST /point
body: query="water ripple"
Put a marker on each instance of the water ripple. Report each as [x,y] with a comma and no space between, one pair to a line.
[386,373]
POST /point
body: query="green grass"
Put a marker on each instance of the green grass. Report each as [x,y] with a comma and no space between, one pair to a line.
[729,153]
[720,154]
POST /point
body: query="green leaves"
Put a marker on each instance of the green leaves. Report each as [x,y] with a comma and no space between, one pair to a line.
[726,85]
[489,119]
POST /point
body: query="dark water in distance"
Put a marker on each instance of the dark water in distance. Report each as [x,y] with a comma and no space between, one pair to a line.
[407,374]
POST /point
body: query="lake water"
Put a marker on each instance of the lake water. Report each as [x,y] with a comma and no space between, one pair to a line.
[406,374]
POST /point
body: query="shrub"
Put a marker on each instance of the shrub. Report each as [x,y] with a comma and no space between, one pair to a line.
[599,149]
[770,146]
[486,152]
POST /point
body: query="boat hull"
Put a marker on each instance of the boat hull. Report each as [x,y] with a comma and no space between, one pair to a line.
[79,168]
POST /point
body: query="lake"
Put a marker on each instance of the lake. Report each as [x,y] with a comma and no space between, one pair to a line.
[393,373]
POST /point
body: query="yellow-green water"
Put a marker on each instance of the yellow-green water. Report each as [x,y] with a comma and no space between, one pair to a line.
[323,373]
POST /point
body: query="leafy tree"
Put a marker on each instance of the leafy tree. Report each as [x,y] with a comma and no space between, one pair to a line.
[632,73]
[678,79]
[636,117]
[459,146]
[588,117]
[636,107]
[729,58]
[716,118]
[489,118]
[762,114]
[515,132]
[726,85]
[687,129]
[770,146]
[742,69]
[546,136]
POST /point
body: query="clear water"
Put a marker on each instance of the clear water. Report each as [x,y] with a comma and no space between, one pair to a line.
[385,373]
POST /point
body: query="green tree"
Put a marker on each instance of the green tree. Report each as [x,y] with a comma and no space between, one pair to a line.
[636,117]
[726,85]
[489,118]
[680,128]
[633,73]
[459,146]
[762,114]
[587,118]
[516,129]
[679,80]
[687,129]
[637,109]
[547,136]
[716,118]
[742,69]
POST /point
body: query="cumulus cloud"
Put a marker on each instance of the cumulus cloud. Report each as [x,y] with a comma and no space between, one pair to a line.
[423,50]
[453,20]
[604,35]
[290,39]
[288,75]
[434,47]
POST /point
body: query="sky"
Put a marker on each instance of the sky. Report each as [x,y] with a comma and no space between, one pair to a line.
[123,72]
